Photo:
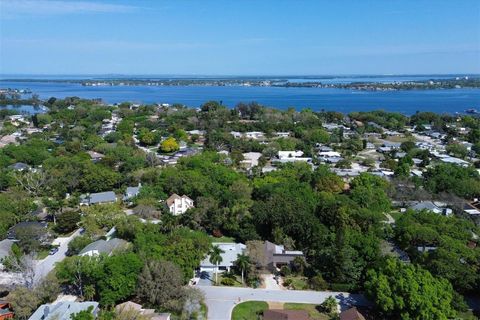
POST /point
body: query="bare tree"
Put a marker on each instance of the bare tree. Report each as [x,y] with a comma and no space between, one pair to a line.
[26,267]
[152,159]
[32,181]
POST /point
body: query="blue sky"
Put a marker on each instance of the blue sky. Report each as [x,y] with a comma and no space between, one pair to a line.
[239,37]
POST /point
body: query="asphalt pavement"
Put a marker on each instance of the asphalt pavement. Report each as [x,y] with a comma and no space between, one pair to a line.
[221,300]
[43,267]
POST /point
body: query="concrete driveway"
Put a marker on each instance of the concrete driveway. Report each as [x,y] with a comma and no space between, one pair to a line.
[222,300]
[46,265]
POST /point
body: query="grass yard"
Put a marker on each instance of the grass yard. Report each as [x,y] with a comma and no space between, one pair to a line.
[396,214]
[250,310]
[237,282]
[296,283]
[42,254]
[468,315]
[311,308]
[222,239]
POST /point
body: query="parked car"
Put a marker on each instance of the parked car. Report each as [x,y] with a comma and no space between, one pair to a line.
[53,251]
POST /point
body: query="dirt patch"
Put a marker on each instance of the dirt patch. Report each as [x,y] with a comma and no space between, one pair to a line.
[275,305]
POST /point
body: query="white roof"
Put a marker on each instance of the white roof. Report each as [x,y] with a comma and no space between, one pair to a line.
[290,154]
[329,154]
[231,252]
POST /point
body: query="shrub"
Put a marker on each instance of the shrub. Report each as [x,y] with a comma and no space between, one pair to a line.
[227,282]
[342,287]
[318,283]
[287,282]
[285,271]
[67,221]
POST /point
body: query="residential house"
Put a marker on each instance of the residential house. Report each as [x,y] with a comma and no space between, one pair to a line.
[472,209]
[254,135]
[282,134]
[276,255]
[178,205]
[329,156]
[6,311]
[98,198]
[64,310]
[456,161]
[231,251]
[5,249]
[134,309]
[281,314]
[8,139]
[36,229]
[423,249]
[431,206]
[196,132]
[388,146]
[132,192]
[250,159]
[19,166]
[95,156]
[291,156]
[104,247]
[351,314]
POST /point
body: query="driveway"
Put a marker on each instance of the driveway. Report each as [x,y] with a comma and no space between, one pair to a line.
[271,283]
[222,300]
[46,265]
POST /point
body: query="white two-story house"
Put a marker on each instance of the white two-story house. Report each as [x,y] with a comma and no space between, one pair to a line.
[178,205]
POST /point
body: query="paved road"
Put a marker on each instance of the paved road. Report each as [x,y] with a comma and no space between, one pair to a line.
[46,265]
[221,300]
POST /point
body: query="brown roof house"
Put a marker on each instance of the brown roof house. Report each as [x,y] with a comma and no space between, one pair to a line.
[276,255]
[351,314]
[178,205]
[132,309]
[280,314]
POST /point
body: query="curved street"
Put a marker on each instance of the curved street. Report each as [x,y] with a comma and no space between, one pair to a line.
[221,300]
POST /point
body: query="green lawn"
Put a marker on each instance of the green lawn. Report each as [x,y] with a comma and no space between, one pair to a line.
[311,308]
[237,283]
[250,310]
[467,315]
[222,239]
[42,254]
[297,283]
[396,214]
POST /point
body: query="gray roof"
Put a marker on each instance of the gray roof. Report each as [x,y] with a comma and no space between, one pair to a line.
[102,246]
[426,205]
[19,166]
[100,197]
[5,246]
[132,192]
[62,310]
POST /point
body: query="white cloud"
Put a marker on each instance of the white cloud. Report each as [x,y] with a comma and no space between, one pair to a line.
[12,8]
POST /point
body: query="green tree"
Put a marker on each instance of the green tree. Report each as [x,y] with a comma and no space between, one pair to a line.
[24,302]
[118,278]
[160,284]
[242,262]
[67,221]
[83,315]
[216,258]
[405,291]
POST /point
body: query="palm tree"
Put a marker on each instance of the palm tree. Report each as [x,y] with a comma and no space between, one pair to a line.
[216,258]
[242,262]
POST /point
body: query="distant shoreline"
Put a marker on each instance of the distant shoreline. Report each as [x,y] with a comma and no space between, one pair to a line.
[354,83]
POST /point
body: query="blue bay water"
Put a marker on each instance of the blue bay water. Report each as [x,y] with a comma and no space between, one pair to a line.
[342,100]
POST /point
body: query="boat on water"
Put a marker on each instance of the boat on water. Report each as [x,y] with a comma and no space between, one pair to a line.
[472,111]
